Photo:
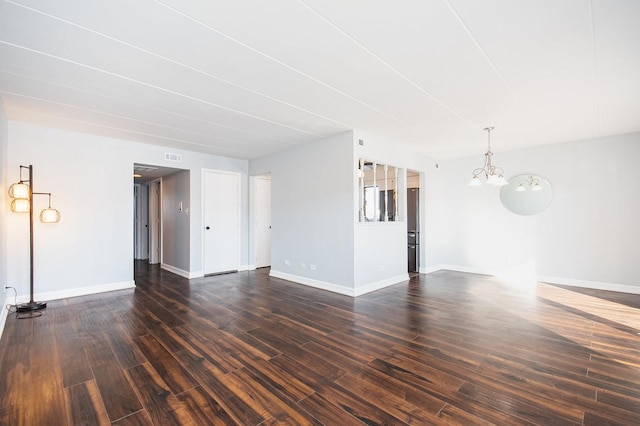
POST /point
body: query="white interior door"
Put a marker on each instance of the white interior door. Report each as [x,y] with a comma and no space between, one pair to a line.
[262,199]
[221,200]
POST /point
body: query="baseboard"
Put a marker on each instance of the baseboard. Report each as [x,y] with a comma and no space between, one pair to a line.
[181,272]
[368,288]
[3,319]
[460,268]
[323,285]
[79,291]
[596,285]
[430,269]
[335,288]
[246,267]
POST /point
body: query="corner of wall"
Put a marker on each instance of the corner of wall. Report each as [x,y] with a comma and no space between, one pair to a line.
[4,144]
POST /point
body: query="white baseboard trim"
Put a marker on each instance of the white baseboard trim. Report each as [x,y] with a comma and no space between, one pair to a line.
[368,288]
[460,268]
[177,271]
[340,289]
[196,274]
[79,291]
[246,268]
[596,285]
[3,319]
[429,269]
[323,285]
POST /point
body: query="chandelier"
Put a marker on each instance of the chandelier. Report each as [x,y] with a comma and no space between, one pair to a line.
[492,173]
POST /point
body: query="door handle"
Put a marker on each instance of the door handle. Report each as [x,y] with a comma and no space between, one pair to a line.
[207,228]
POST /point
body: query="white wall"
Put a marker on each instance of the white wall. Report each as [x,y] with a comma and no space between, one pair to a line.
[312,212]
[589,235]
[175,222]
[91,178]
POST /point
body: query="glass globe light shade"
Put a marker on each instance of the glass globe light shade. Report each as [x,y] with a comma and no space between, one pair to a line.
[20,205]
[19,190]
[49,215]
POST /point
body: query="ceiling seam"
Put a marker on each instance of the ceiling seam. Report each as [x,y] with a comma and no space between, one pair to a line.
[146,107]
[223,140]
[91,124]
[595,66]
[279,62]
[177,63]
[484,53]
[384,62]
[156,87]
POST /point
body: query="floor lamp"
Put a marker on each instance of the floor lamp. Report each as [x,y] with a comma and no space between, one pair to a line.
[22,194]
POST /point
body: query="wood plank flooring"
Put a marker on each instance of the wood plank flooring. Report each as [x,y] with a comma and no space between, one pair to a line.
[246,349]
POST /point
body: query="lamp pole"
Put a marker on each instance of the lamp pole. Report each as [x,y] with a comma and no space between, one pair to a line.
[32,305]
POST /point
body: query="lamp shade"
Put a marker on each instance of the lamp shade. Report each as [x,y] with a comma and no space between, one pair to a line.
[475,181]
[493,180]
[20,205]
[19,190]
[49,215]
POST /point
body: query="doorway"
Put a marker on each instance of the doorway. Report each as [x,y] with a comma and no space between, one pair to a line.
[147,217]
[262,200]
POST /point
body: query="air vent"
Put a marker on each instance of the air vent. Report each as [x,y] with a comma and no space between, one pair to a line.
[173,157]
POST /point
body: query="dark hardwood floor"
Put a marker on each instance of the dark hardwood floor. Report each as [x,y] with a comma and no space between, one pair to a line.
[444,348]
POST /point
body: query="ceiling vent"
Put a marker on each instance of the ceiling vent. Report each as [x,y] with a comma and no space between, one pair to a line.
[173,157]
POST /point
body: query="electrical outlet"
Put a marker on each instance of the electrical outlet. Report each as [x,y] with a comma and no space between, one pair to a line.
[302,265]
[313,267]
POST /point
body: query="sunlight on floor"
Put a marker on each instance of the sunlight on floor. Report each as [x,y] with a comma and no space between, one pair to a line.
[602,308]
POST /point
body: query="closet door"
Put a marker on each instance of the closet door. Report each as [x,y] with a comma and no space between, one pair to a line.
[221,195]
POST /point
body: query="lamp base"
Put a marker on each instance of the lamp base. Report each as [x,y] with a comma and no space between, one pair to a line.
[31,306]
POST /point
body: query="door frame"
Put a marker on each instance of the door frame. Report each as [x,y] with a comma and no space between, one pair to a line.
[202,215]
[155,205]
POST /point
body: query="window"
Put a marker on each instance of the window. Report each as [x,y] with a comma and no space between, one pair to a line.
[378,185]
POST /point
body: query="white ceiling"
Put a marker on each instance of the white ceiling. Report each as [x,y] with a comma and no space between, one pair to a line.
[247,78]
